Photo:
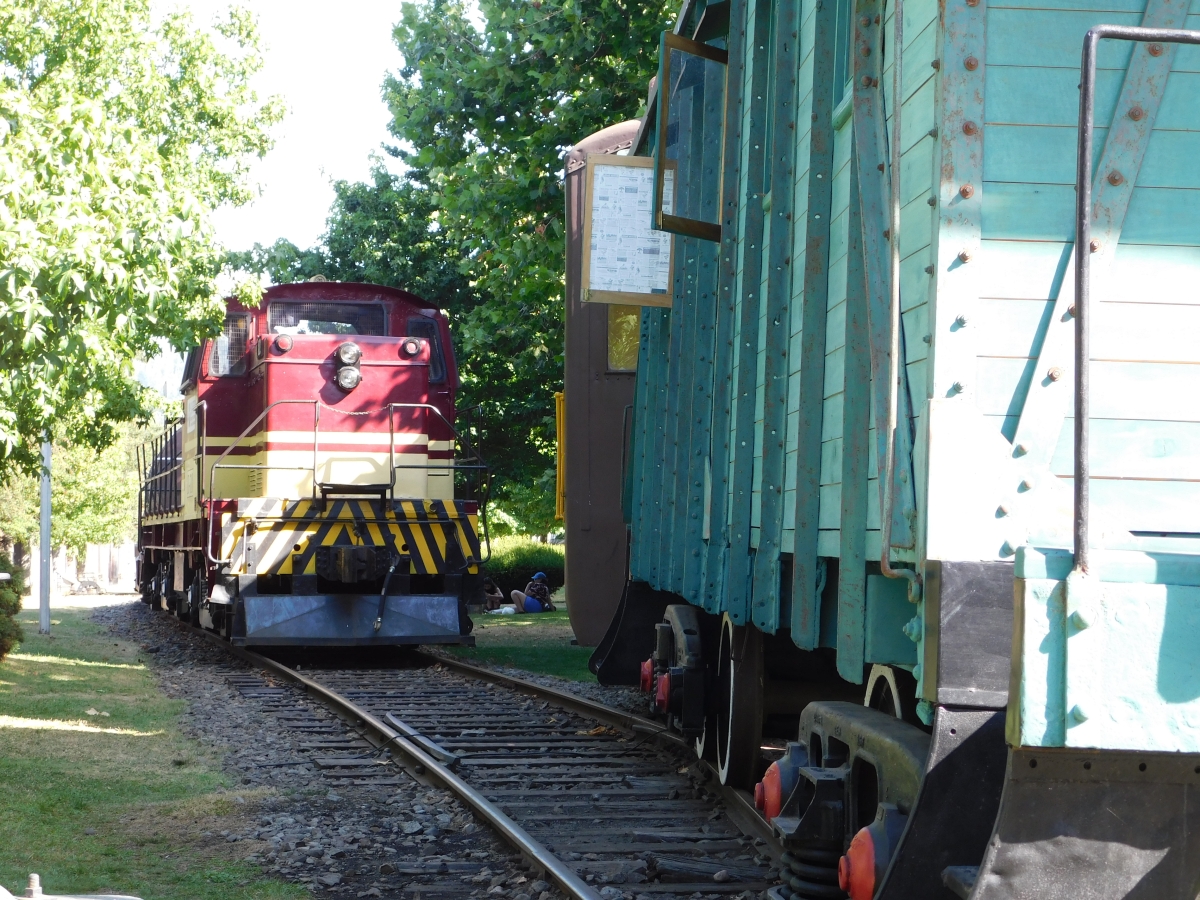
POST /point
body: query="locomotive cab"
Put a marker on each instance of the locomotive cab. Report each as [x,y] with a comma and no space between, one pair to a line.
[308,495]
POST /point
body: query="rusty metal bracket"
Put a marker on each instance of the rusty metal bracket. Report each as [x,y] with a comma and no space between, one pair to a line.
[875,187]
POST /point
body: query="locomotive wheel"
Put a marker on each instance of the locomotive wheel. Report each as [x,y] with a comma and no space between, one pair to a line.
[739,698]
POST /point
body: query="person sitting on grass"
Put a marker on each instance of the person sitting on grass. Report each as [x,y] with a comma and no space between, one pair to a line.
[535,597]
[492,597]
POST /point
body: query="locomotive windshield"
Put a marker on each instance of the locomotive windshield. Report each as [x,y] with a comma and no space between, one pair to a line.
[327,318]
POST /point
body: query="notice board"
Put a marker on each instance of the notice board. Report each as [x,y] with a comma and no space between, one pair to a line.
[625,260]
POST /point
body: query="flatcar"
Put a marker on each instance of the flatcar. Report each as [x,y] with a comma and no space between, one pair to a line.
[319,488]
[869,532]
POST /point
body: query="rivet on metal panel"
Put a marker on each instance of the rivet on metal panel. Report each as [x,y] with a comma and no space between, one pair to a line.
[932,201]
[929,270]
[1080,619]
[970,128]
[877,20]
[1115,177]
[1095,245]
[1078,714]
[887,234]
[866,81]
[928,339]
[1008,549]
[1137,113]
[1155,49]
[1055,373]
[959,387]
[1020,449]
[880,167]
[937,63]
[971,63]
[964,255]
[1071,310]
[932,132]
[866,21]
[1027,484]
[967,191]
[865,51]
[961,321]
[1001,510]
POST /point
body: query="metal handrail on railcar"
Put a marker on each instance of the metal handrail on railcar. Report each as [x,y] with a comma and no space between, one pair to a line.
[391,408]
[153,497]
[1083,262]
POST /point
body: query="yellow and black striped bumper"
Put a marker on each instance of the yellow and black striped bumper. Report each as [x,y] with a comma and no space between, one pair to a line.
[281,537]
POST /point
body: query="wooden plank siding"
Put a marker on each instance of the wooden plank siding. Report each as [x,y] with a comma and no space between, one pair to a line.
[755,424]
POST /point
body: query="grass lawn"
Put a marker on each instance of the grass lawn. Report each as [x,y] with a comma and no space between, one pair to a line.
[538,642]
[101,792]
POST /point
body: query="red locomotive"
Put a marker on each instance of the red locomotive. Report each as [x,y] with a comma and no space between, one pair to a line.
[307,496]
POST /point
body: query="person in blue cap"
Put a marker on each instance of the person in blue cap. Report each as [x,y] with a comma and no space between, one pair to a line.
[535,597]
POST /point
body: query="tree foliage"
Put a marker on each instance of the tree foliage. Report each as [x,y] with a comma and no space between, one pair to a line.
[10,605]
[117,139]
[94,496]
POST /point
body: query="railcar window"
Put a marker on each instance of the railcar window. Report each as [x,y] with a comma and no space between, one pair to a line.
[191,368]
[227,357]
[689,144]
[328,318]
[422,327]
[624,327]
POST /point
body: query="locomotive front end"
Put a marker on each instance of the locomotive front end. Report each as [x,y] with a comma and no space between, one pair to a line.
[323,431]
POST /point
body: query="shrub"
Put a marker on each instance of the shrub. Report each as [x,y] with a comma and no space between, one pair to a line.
[10,605]
[516,558]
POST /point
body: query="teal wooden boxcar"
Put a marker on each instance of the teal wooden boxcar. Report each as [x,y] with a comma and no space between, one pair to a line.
[858,293]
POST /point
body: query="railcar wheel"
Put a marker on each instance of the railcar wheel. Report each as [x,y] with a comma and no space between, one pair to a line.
[739,699]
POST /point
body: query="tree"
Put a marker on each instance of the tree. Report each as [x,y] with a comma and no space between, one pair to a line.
[10,605]
[117,139]
[94,496]
[485,116]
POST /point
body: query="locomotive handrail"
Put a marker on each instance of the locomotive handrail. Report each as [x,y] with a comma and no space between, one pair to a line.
[221,464]
[149,489]
[1083,252]
[480,466]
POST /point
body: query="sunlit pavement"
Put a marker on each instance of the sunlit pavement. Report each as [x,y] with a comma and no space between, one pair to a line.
[80,601]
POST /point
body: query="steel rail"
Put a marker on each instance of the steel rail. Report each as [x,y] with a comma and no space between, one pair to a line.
[740,804]
[424,764]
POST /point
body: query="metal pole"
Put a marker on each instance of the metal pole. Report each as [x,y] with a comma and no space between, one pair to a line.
[44,581]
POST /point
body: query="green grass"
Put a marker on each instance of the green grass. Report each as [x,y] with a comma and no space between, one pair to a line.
[110,803]
[540,642]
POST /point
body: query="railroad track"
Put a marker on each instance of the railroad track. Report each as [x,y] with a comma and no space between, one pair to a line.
[605,803]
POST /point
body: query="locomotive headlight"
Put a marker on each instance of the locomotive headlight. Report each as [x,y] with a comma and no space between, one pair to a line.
[348,354]
[410,347]
[348,378]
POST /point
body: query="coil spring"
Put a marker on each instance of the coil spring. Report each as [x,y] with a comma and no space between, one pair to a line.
[812,872]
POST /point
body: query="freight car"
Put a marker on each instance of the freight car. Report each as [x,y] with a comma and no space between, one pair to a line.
[868,530]
[307,496]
